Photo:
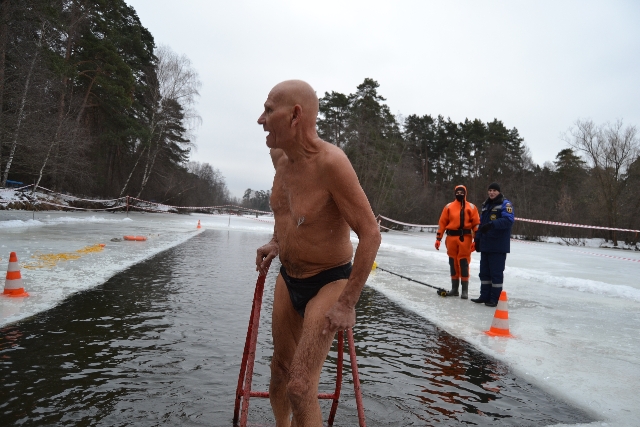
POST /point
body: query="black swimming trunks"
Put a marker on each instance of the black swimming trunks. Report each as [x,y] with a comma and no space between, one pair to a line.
[302,290]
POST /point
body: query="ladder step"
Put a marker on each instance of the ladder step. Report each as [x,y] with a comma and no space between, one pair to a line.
[266,394]
[244,392]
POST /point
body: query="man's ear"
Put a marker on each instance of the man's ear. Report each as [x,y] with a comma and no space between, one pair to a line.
[297,115]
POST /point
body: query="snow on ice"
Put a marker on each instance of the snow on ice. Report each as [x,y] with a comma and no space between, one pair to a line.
[574,310]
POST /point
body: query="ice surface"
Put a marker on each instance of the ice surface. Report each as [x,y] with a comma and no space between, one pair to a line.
[574,311]
[575,314]
[57,237]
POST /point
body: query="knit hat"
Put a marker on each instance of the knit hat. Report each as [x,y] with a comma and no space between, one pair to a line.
[494,186]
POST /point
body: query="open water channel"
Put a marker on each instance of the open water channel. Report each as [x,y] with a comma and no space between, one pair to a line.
[161,344]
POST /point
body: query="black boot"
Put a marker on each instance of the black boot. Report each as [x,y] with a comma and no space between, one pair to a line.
[465,289]
[485,291]
[454,288]
[495,296]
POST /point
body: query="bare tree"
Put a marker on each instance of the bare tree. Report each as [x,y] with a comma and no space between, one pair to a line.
[176,81]
[4,29]
[609,150]
[23,101]
[77,16]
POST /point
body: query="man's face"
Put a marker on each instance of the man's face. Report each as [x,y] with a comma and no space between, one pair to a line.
[493,193]
[459,193]
[273,120]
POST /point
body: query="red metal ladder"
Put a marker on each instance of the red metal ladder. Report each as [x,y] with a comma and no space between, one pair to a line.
[244,392]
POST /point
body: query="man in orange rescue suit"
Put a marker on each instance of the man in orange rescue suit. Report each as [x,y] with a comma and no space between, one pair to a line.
[460,220]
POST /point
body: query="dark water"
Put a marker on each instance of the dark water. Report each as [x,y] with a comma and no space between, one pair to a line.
[161,344]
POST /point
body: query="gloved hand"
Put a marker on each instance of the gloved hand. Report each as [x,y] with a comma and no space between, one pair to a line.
[488,226]
[438,244]
[473,246]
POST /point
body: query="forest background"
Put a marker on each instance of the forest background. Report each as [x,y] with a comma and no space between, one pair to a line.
[91,106]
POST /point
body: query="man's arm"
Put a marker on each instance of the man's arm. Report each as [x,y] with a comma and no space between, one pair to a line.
[356,210]
[442,225]
[443,222]
[267,253]
[506,218]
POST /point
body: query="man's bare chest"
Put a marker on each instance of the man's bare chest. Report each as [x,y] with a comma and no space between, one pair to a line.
[302,197]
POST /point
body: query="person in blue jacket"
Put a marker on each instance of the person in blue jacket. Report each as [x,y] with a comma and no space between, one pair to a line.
[493,242]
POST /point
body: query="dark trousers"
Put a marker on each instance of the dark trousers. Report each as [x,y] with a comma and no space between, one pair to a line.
[492,267]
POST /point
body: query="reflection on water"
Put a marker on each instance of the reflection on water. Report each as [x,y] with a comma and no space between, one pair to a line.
[417,374]
[161,344]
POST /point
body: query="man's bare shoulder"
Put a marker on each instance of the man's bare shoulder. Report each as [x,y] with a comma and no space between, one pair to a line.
[336,169]
[333,157]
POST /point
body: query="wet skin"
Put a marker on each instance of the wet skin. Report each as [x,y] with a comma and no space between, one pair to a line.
[316,198]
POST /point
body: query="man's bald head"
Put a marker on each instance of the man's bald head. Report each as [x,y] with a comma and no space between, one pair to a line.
[297,92]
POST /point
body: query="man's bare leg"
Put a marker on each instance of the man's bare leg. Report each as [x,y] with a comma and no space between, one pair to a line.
[286,331]
[310,354]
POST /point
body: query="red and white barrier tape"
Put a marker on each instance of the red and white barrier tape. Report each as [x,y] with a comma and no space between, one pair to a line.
[140,200]
[397,231]
[606,256]
[262,220]
[64,195]
[80,198]
[172,206]
[201,207]
[582,252]
[41,202]
[406,223]
[566,224]
[245,209]
[16,189]
[563,224]
[131,207]
[61,194]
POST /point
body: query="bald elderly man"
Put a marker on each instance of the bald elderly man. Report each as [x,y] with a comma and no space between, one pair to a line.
[316,198]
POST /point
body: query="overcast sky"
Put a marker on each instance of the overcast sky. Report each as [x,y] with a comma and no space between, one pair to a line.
[537,65]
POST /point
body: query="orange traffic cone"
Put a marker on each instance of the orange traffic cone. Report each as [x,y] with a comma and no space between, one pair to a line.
[13,283]
[500,324]
[198,224]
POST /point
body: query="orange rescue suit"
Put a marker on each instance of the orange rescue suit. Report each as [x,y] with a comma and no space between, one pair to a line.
[459,238]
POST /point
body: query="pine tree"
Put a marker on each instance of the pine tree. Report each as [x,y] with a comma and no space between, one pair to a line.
[334,117]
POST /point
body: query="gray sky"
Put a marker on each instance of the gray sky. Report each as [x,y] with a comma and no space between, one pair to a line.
[536,65]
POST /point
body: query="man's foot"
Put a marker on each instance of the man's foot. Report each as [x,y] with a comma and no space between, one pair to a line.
[455,283]
[479,300]
[494,296]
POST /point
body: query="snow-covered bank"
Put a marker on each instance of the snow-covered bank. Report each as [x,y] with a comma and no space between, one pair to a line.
[575,315]
[586,243]
[57,253]
[574,311]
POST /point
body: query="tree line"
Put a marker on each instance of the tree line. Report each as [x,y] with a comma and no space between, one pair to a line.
[408,166]
[90,105]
